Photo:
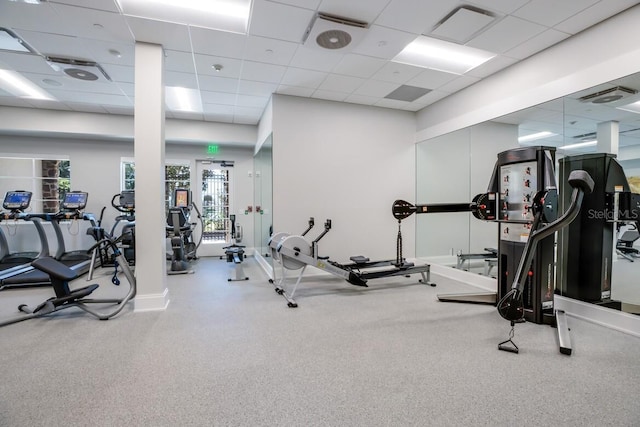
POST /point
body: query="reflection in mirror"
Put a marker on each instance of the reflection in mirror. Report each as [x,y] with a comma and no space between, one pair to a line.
[263,197]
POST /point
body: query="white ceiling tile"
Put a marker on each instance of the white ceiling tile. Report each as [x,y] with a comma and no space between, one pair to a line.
[186,80]
[76,85]
[175,60]
[361,99]
[187,115]
[339,83]
[397,73]
[21,16]
[90,98]
[382,42]
[376,88]
[119,73]
[358,65]
[315,59]
[248,87]
[25,62]
[279,21]
[101,52]
[246,113]
[230,67]
[270,51]
[86,108]
[431,79]
[261,72]
[221,98]
[506,34]
[218,109]
[391,103]
[537,43]
[354,9]
[218,84]
[593,15]
[57,45]
[538,10]
[124,111]
[252,101]
[128,89]
[217,43]
[106,5]
[295,91]
[169,35]
[499,6]
[307,4]
[49,105]
[304,78]
[329,95]
[95,24]
[459,83]
[415,16]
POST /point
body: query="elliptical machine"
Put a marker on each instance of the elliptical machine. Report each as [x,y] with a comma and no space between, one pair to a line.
[180,232]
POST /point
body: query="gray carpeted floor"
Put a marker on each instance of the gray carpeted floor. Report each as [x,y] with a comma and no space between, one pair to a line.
[233,354]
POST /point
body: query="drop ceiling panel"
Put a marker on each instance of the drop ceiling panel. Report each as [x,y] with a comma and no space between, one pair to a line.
[279,21]
[218,84]
[186,80]
[176,60]
[25,62]
[338,83]
[303,78]
[415,16]
[329,95]
[106,5]
[492,66]
[91,98]
[169,35]
[100,52]
[538,10]
[49,105]
[506,34]
[217,43]
[94,24]
[315,59]
[397,73]
[23,16]
[270,51]
[500,6]
[261,72]
[537,43]
[295,91]
[392,103]
[76,85]
[382,42]
[125,111]
[86,108]
[431,79]
[358,65]
[459,83]
[120,73]
[362,99]
[462,25]
[251,101]
[593,15]
[307,4]
[230,67]
[57,45]
[256,88]
[220,98]
[376,88]
[353,10]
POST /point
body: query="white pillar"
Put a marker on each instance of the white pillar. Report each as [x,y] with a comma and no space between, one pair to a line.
[608,137]
[149,157]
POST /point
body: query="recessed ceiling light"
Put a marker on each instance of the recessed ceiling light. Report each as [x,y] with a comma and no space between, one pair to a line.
[21,87]
[440,55]
[183,99]
[535,136]
[223,15]
[217,67]
[12,42]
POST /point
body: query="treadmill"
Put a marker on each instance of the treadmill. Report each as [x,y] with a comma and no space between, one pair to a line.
[79,261]
[14,205]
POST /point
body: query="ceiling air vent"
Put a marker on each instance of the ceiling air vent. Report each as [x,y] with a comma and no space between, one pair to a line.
[330,32]
[608,95]
[78,68]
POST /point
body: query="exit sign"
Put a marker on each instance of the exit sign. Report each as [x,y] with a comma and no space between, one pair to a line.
[212,149]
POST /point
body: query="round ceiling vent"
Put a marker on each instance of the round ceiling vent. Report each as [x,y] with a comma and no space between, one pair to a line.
[333,39]
[605,99]
[77,73]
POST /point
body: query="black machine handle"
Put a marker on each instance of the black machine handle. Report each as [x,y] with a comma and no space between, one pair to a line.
[483,207]
[511,306]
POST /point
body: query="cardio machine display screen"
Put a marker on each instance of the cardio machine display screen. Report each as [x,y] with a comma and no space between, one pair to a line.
[75,200]
[16,200]
[182,198]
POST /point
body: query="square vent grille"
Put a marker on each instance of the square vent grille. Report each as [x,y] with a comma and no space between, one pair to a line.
[334,33]
[608,95]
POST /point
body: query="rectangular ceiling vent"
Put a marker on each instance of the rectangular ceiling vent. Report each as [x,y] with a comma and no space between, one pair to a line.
[608,95]
[334,33]
[80,69]
[462,24]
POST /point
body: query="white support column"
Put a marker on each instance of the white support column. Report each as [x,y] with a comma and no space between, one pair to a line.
[608,137]
[149,120]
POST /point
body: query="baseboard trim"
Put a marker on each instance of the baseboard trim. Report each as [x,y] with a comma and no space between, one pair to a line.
[607,317]
[151,302]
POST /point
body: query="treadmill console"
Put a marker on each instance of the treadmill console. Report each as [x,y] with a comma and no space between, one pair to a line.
[75,200]
[16,200]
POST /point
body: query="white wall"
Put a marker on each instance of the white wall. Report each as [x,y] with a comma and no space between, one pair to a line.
[95,168]
[347,163]
[453,168]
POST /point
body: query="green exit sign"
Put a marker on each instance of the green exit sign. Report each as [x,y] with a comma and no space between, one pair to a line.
[212,149]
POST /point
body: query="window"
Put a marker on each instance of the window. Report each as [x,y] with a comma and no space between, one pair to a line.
[48,179]
[177,175]
[215,204]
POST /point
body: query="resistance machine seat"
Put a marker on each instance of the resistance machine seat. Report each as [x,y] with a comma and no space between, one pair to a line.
[624,246]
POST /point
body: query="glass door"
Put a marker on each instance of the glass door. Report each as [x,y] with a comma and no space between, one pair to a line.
[214,194]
